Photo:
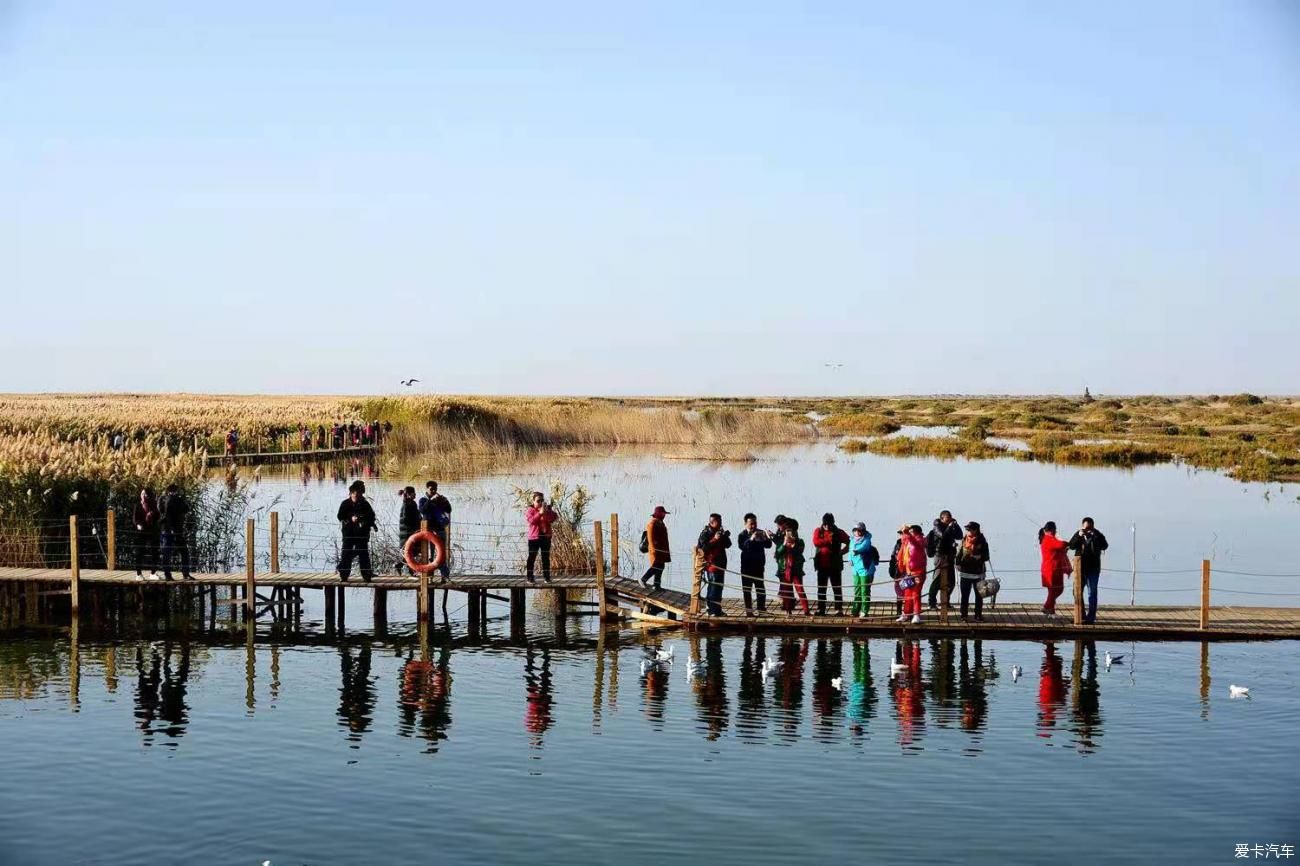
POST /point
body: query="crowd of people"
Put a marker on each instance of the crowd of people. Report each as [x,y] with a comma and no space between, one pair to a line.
[950,554]
[336,436]
[160,532]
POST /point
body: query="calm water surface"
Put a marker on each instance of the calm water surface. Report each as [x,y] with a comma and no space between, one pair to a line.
[552,745]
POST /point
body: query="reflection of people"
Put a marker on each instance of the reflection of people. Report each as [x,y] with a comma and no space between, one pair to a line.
[792,653]
[971,688]
[1085,709]
[537,695]
[906,690]
[1089,544]
[827,666]
[655,681]
[862,692]
[750,697]
[146,689]
[1054,567]
[711,691]
[426,692]
[1052,690]
[356,692]
[172,707]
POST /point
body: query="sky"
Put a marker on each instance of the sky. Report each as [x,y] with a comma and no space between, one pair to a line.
[651,198]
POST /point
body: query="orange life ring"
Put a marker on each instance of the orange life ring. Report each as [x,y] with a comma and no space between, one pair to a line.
[426,537]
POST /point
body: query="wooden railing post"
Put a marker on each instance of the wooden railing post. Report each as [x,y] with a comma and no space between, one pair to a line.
[250,569]
[422,601]
[694,607]
[275,541]
[945,589]
[110,530]
[75,585]
[600,570]
[1078,590]
[1205,595]
[613,545]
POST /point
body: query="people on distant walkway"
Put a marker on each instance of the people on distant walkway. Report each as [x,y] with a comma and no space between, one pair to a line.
[356,519]
[1055,565]
[408,523]
[941,544]
[972,554]
[540,516]
[1088,544]
[232,442]
[173,508]
[753,543]
[435,508]
[865,558]
[656,547]
[713,544]
[831,544]
[911,563]
[146,532]
[790,562]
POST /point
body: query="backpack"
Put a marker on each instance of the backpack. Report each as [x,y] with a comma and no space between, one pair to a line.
[873,555]
[644,546]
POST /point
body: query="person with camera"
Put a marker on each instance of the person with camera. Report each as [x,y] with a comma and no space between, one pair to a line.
[356,520]
[790,564]
[941,544]
[831,544]
[539,517]
[1089,544]
[972,554]
[713,544]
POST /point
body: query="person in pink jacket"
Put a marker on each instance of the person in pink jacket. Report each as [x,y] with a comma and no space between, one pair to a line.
[1055,565]
[911,565]
[539,516]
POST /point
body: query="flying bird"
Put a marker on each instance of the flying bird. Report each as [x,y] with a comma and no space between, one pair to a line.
[833,366]
[409,382]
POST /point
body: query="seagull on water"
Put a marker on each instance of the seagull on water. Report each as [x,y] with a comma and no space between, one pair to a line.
[1238,691]
[838,684]
[896,669]
[1113,660]
[1016,671]
[662,655]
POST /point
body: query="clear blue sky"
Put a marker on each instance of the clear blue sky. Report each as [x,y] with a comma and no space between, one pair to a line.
[651,198]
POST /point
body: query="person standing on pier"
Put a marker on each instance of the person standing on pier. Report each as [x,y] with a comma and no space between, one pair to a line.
[752,542]
[656,547]
[1055,565]
[356,519]
[539,517]
[789,553]
[435,508]
[173,508]
[713,544]
[831,543]
[972,554]
[408,523]
[865,559]
[1088,544]
[146,532]
[942,544]
[232,442]
[911,564]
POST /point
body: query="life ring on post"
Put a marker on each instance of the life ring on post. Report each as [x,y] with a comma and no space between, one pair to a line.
[424,536]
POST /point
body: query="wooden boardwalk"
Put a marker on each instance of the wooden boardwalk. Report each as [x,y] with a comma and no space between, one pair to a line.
[249,458]
[626,598]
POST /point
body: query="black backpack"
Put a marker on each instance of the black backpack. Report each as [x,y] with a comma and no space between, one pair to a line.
[873,555]
[644,546]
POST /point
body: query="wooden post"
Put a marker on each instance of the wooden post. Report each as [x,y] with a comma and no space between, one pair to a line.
[472,610]
[75,586]
[250,569]
[275,541]
[695,593]
[613,545]
[110,530]
[329,607]
[516,607]
[600,571]
[945,588]
[1205,595]
[422,599]
[1078,590]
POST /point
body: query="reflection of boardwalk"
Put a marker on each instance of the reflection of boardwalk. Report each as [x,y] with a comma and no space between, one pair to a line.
[250,458]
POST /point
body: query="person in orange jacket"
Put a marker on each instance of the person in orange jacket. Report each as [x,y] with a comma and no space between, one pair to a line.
[1055,565]
[911,564]
[656,534]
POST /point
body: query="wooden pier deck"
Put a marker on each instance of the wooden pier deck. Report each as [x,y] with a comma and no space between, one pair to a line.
[626,598]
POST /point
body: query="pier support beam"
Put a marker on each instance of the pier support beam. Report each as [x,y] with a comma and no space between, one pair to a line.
[329,607]
[1205,595]
[74,587]
[1078,590]
[472,607]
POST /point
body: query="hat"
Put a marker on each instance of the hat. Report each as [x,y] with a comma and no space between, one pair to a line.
[660,511]
[973,526]
[915,527]
[904,528]
[861,527]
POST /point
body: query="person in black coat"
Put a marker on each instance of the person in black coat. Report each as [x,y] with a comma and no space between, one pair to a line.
[941,546]
[173,508]
[408,523]
[1089,544]
[753,543]
[356,519]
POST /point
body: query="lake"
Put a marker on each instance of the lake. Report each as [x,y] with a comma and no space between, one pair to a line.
[187,743]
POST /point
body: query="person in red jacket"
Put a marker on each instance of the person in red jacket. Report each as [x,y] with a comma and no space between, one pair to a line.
[539,516]
[911,565]
[831,544]
[1055,565]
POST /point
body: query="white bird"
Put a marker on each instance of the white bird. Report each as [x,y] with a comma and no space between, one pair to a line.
[645,666]
[770,667]
[838,684]
[833,366]
[1238,691]
[409,382]
[1113,660]
[695,669]
[1016,671]
[661,655]
[896,669]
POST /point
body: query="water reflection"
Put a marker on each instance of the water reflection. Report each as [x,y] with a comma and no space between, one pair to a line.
[356,692]
[907,691]
[424,698]
[972,690]
[826,691]
[787,695]
[751,696]
[538,698]
[862,690]
[160,692]
[1085,709]
[710,688]
[1052,690]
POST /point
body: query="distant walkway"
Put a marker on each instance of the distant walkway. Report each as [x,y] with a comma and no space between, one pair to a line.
[252,458]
